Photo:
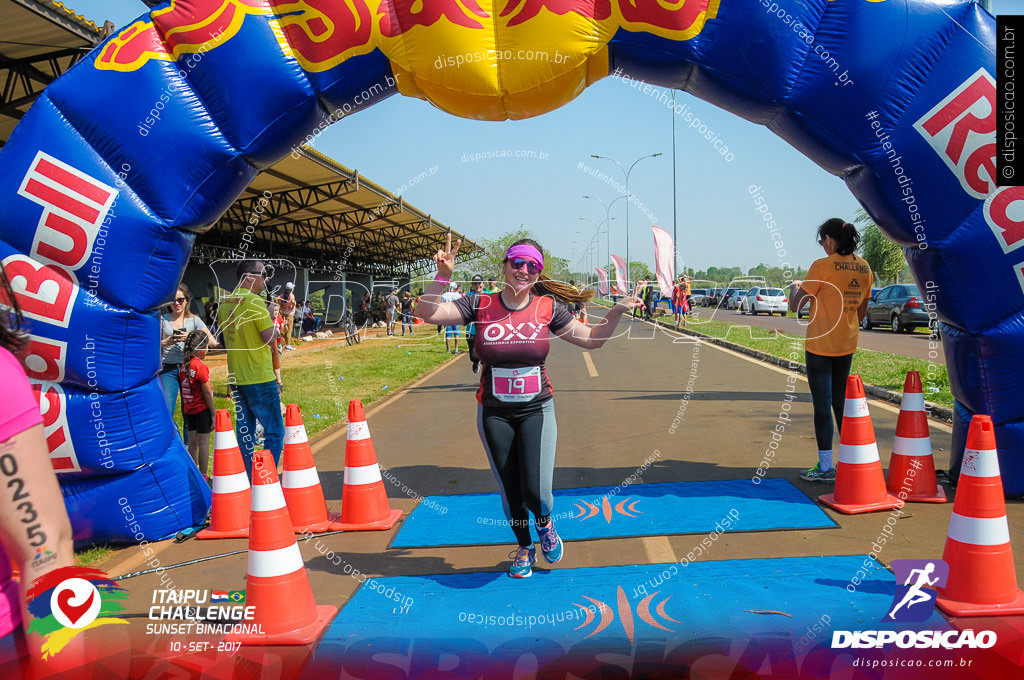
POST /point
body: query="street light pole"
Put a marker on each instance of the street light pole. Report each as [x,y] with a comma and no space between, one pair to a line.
[596,231]
[675,241]
[607,218]
[627,173]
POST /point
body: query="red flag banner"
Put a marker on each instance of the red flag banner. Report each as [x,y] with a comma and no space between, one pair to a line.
[602,280]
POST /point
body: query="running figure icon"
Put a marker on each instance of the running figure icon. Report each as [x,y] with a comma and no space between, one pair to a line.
[916,594]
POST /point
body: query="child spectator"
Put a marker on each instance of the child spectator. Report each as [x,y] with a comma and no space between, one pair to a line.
[197,399]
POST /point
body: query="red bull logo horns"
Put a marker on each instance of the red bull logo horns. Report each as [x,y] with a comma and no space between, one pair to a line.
[320,34]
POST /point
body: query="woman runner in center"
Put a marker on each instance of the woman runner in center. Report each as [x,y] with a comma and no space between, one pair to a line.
[516,414]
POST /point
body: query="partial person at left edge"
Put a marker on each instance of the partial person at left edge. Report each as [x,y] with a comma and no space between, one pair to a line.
[34,526]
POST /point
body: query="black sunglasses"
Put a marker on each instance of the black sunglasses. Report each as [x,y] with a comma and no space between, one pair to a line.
[531,266]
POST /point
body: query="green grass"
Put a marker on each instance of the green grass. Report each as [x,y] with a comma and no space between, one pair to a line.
[92,556]
[875,368]
[325,375]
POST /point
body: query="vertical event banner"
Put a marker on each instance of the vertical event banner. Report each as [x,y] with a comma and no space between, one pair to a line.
[620,277]
[664,260]
[602,280]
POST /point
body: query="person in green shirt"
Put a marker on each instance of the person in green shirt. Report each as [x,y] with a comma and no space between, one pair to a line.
[248,331]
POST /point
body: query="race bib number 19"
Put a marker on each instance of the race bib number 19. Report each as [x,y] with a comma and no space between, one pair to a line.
[515,384]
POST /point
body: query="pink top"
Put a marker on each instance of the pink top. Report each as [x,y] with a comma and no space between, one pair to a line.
[20,412]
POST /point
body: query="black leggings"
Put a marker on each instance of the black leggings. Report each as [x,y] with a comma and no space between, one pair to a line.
[520,444]
[826,376]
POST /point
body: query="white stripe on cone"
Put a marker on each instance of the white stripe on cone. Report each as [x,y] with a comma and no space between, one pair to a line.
[980,463]
[358,430]
[280,562]
[855,408]
[912,446]
[300,479]
[912,401]
[979,530]
[858,454]
[230,483]
[295,434]
[225,440]
[362,474]
[267,497]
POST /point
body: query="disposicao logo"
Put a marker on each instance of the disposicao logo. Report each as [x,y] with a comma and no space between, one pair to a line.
[914,602]
[69,600]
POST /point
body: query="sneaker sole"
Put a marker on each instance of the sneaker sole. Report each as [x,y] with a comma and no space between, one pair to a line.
[528,575]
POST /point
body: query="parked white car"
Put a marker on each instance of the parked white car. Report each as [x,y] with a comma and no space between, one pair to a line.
[767,300]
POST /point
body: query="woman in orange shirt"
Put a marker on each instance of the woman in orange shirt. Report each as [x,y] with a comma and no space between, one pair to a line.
[840,287]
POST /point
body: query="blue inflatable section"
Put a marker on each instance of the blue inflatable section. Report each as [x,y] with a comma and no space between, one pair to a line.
[146,142]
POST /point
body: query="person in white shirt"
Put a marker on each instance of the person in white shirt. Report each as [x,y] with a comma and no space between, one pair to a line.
[451,333]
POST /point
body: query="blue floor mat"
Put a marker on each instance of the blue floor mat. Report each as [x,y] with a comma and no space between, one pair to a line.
[623,607]
[615,512]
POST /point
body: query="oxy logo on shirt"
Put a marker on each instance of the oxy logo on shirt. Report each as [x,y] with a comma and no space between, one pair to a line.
[498,332]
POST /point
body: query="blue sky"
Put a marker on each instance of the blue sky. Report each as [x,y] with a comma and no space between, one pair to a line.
[396,140]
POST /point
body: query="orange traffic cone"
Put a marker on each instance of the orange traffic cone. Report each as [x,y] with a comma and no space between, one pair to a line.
[860,484]
[229,513]
[982,580]
[364,501]
[277,587]
[300,479]
[911,467]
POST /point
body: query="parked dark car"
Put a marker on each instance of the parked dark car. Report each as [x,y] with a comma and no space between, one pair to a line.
[713,297]
[805,306]
[898,306]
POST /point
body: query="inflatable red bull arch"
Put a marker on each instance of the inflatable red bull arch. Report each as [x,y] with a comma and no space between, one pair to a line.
[147,141]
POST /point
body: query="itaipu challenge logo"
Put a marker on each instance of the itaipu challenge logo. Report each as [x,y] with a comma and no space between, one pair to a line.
[70,600]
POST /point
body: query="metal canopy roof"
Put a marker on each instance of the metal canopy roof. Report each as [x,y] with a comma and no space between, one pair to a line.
[324,216]
[39,40]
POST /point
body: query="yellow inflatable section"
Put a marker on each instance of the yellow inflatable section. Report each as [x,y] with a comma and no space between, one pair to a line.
[490,61]
[518,58]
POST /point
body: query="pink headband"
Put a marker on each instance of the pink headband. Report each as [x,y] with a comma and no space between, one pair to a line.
[525,250]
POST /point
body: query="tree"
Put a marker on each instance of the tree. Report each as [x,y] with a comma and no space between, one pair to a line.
[489,264]
[885,258]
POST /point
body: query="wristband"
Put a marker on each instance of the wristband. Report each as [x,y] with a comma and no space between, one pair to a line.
[441,279]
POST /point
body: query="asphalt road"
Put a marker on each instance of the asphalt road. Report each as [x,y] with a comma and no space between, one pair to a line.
[617,408]
[917,345]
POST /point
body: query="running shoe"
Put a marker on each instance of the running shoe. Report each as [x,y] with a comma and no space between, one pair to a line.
[815,474]
[523,560]
[550,543]
[289,348]
[476,366]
